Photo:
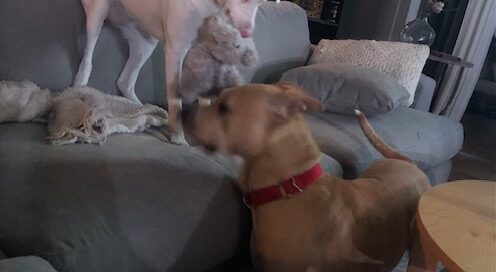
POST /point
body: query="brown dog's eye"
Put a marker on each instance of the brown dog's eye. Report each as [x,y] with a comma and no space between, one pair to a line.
[223,109]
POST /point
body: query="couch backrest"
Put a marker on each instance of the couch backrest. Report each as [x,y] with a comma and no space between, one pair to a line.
[43,41]
[282,39]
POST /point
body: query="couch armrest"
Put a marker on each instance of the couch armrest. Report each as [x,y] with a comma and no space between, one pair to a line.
[424,93]
[26,263]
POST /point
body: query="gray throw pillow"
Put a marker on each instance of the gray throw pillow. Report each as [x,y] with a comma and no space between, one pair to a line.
[344,87]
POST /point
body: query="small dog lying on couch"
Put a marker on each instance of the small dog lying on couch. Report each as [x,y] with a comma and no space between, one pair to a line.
[210,64]
[77,114]
[303,219]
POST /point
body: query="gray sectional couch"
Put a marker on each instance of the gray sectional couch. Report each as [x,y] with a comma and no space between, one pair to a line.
[136,203]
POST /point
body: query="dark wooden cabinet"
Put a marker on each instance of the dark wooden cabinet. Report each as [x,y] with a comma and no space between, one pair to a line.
[321,30]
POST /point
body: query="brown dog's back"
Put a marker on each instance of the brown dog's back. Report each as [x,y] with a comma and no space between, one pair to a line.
[386,150]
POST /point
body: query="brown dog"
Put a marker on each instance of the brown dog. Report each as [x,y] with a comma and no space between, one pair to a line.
[312,221]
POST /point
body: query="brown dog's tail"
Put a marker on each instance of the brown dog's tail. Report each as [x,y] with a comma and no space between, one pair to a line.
[379,144]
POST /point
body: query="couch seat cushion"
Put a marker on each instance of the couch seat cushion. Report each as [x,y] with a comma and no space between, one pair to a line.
[424,137]
[132,204]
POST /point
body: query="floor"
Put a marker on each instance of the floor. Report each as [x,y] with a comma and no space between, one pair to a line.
[477,160]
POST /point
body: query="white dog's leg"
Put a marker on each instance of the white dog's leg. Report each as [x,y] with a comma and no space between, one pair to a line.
[175,123]
[173,60]
[96,12]
[141,46]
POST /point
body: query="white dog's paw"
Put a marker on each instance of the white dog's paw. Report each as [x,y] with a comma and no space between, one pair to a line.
[178,139]
[83,74]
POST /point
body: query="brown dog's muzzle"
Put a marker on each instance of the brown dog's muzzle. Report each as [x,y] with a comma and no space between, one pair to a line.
[204,128]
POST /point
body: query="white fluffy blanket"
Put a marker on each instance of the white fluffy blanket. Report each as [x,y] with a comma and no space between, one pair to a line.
[77,114]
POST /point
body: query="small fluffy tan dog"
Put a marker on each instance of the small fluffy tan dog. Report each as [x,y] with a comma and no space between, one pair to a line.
[305,220]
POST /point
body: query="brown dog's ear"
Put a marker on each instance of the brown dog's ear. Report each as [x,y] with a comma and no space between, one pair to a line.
[293,100]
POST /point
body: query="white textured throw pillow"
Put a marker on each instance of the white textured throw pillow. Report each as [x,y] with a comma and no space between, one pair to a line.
[401,61]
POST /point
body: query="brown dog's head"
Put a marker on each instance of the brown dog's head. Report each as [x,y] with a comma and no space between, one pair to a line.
[242,119]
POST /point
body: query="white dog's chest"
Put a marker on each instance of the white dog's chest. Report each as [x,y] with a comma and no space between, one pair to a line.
[150,14]
[147,13]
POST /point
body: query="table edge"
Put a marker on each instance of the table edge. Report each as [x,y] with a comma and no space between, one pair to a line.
[435,249]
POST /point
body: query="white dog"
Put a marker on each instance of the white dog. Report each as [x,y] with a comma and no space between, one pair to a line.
[145,22]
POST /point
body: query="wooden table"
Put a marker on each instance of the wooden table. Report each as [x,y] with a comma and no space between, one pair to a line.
[457,224]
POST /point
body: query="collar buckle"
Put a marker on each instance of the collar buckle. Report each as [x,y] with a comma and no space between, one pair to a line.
[246,203]
[289,192]
[297,187]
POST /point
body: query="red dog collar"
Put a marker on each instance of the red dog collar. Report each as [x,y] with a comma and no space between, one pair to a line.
[284,189]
